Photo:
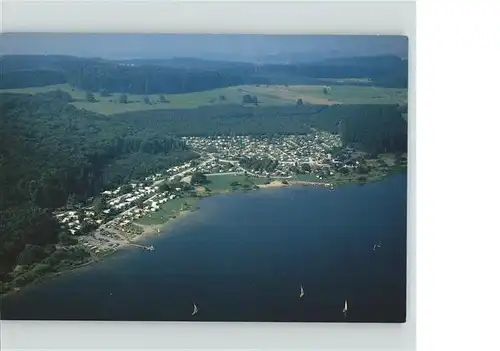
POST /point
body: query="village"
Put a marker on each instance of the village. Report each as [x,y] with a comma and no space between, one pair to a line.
[281,156]
[112,223]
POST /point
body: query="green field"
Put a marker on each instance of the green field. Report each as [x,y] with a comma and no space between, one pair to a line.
[273,95]
[223,182]
[167,210]
[352,94]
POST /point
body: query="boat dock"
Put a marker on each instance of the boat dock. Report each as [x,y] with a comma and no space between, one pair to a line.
[144,247]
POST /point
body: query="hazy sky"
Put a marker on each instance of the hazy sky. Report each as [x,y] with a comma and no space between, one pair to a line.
[122,46]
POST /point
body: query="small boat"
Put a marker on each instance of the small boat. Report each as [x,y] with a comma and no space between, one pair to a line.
[345,308]
[301,291]
[195,309]
[376,246]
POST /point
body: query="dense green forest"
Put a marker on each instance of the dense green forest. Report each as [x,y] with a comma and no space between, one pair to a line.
[375,128]
[225,120]
[189,75]
[31,78]
[53,153]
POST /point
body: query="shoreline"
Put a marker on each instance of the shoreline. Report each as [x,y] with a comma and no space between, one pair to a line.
[161,228]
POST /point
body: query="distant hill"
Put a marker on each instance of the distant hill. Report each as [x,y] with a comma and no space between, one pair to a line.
[184,74]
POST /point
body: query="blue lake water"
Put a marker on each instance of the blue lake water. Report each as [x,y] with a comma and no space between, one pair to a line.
[243,257]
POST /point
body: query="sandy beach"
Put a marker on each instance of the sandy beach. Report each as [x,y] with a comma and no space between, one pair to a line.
[273,184]
[279,184]
[152,229]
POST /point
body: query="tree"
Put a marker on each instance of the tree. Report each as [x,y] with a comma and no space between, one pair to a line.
[344,170]
[146,100]
[363,169]
[66,239]
[300,102]
[100,204]
[222,98]
[123,99]
[198,178]
[306,167]
[31,254]
[127,188]
[89,96]
[87,228]
[165,187]
[325,90]
[163,99]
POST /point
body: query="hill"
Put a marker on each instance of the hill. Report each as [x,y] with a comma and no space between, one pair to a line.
[183,75]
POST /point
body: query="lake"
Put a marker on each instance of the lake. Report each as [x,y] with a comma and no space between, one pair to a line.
[243,257]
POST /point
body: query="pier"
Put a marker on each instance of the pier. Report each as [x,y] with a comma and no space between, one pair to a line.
[144,247]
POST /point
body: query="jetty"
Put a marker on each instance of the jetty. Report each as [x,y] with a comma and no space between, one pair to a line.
[144,247]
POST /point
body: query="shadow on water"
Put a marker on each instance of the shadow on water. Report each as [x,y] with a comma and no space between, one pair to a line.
[243,257]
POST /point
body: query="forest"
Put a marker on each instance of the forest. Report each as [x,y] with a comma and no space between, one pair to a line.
[53,154]
[224,120]
[189,75]
[374,128]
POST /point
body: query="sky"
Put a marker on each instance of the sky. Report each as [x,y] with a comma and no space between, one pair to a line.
[209,46]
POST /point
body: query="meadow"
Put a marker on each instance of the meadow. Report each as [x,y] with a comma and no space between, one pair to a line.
[267,95]
[223,182]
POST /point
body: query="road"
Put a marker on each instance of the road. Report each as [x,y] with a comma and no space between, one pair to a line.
[191,169]
[225,173]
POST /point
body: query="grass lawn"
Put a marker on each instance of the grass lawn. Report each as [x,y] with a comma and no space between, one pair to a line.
[352,94]
[306,178]
[223,182]
[167,210]
[273,95]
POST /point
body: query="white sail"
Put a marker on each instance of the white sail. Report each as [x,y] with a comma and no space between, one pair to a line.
[195,309]
[301,291]
[345,306]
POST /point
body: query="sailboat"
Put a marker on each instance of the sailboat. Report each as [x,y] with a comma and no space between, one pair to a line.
[345,308]
[195,309]
[376,246]
[301,291]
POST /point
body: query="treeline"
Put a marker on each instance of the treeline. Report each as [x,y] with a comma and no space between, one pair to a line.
[375,128]
[259,163]
[387,71]
[30,78]
[182,75]
[52,153]
[224,120]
